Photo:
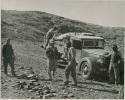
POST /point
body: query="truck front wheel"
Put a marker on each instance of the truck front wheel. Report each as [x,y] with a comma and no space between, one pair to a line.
[86,69]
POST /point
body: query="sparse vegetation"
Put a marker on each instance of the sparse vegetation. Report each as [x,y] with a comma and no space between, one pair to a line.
[27,28]
[32,25]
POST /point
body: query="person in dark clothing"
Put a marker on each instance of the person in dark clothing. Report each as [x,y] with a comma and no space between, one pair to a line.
[52,55]
[8,57]
[114,65]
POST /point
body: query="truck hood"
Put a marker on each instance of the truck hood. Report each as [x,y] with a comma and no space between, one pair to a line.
[96,52]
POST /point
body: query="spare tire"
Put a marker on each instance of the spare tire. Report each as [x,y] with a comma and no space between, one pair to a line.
[86,69]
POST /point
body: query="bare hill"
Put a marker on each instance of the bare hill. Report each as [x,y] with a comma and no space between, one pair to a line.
[32,25]
[26,29]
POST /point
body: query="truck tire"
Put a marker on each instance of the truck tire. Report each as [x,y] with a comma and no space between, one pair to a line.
[86,69]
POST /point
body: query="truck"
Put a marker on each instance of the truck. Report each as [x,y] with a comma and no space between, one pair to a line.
[92,59]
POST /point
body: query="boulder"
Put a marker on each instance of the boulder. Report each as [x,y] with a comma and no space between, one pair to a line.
[31,90]
[30,76]
[23,76]
[70,95]
[46,91]
[36,88]
[21,84]
[36,83]
[33,77]
[32,97]
[21,67]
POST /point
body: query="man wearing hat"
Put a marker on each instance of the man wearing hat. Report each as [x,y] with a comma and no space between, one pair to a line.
[114,65]
[8,57]
[52,55]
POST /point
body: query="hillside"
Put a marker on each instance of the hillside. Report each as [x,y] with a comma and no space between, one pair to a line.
[32,25]
[26,29]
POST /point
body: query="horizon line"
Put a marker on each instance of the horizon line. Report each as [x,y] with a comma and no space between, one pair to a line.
[65,18]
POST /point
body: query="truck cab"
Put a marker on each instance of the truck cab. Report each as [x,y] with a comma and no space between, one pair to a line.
[91,56]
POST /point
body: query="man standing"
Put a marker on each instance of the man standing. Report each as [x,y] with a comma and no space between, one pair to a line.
[71,67]
[8,57]
[114,65]
[50,34]
[52,55]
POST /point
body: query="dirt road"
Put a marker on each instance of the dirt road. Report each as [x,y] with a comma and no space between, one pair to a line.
[31,60]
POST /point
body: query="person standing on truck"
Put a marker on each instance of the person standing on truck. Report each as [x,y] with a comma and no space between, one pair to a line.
[52,55]
[67,46]
[8,57]
[71,67]
[114,65]
[50,34]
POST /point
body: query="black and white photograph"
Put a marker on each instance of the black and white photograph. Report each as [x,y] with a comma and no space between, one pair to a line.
[62,49]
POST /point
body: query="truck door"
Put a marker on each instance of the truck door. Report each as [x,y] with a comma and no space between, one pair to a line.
[77,44]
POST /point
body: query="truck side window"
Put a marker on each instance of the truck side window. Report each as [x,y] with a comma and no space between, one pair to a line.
[77,44]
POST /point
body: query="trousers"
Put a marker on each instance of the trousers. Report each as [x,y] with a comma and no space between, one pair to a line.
[114,68]
[52,67]
[7,62]
[71,69]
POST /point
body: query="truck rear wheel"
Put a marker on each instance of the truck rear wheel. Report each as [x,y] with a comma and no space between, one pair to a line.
[86,69]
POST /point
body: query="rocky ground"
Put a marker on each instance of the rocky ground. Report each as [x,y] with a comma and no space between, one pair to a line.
[32,78]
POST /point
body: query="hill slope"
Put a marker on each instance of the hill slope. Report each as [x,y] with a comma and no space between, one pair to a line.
[32,25]
[26,29]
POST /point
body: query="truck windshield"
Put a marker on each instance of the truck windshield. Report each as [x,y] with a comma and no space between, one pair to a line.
[93,44]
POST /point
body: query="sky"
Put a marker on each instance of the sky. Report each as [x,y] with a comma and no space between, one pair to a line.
[104,12]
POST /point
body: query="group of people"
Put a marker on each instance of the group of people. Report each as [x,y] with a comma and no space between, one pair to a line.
[52,55]
[70,55]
